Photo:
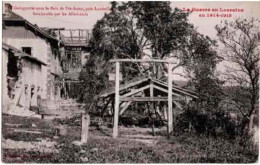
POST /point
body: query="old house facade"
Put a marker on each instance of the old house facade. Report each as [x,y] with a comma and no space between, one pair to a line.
[20,81]
[33,42]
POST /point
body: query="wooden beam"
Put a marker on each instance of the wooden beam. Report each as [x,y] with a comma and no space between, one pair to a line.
[152,106]
[146,99]
[136,91]
[116,113]
[183,91]
[177,105]
[165,112]
[157,110]
[124,108]
[142,60]
[123,87]
[164,90]
[85,127]
[151,89]
[170,120]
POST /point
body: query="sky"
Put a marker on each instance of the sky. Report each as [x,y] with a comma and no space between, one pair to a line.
[205,25]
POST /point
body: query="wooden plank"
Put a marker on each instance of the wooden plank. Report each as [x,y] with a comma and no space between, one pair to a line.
[124,108]
[152,106]
[164,90]
[116,113]
[142,60]
[170,120]
[183,91]
[105,94]
[136,91]
[178,105]
[157,110]
[85,127]
[165,112]
[151,89]
[146,99]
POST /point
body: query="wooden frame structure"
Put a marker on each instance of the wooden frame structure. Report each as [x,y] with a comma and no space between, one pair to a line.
[118,98]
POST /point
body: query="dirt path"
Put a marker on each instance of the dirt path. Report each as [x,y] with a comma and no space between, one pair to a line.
[138,134]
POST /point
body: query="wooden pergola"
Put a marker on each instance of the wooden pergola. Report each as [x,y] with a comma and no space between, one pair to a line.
[154,84]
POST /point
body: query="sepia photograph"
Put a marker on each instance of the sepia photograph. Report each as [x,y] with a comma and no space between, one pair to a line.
[130,81]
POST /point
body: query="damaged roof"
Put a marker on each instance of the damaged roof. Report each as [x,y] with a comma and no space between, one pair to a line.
[144,80]
[21,54]
[13,17]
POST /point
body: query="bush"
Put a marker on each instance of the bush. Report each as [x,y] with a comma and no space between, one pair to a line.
[210,124]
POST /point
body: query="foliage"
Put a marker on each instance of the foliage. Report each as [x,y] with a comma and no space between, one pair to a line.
[241,49]
[183,148]
[201,70]
[95,80]
[101,148]
[217,124]
[138,29]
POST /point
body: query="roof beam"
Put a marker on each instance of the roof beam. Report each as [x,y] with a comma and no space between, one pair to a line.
[124,87]
[176,89]
[146,99]
[164,90]
[142,60]
[136,91]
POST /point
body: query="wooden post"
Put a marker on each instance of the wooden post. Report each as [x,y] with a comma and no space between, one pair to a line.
[152,106]
[165,112]
[170,119]
[85,127]
[116,113]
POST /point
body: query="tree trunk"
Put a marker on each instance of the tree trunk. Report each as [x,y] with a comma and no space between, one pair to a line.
[250,124]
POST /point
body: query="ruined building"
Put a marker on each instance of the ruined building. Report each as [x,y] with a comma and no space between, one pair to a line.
[21,82]
[76,52]
[33,60]
[40,65]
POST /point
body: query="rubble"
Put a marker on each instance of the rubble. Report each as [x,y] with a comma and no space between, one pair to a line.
[77,143]
[43,145]
[20,111]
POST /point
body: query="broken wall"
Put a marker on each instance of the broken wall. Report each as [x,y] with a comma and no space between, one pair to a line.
[25,38]
[5,97]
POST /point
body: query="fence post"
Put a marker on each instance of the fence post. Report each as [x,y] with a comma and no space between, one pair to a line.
[116,111]
[85,127]
[170,117]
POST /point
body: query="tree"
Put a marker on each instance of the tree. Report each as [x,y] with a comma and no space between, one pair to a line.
[201,68]
[138,29]
[241,42]
[94,81]
[133,30]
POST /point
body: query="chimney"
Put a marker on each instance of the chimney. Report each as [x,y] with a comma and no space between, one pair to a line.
[7,8]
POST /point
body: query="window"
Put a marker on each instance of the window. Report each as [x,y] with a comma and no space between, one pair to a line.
[27,50]
[73,59]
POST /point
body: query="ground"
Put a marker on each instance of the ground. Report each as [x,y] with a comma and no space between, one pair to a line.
[32,140]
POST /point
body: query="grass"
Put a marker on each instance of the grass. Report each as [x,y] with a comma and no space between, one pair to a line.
[101,148]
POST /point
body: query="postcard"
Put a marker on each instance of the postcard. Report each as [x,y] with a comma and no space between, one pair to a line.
[130,82]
